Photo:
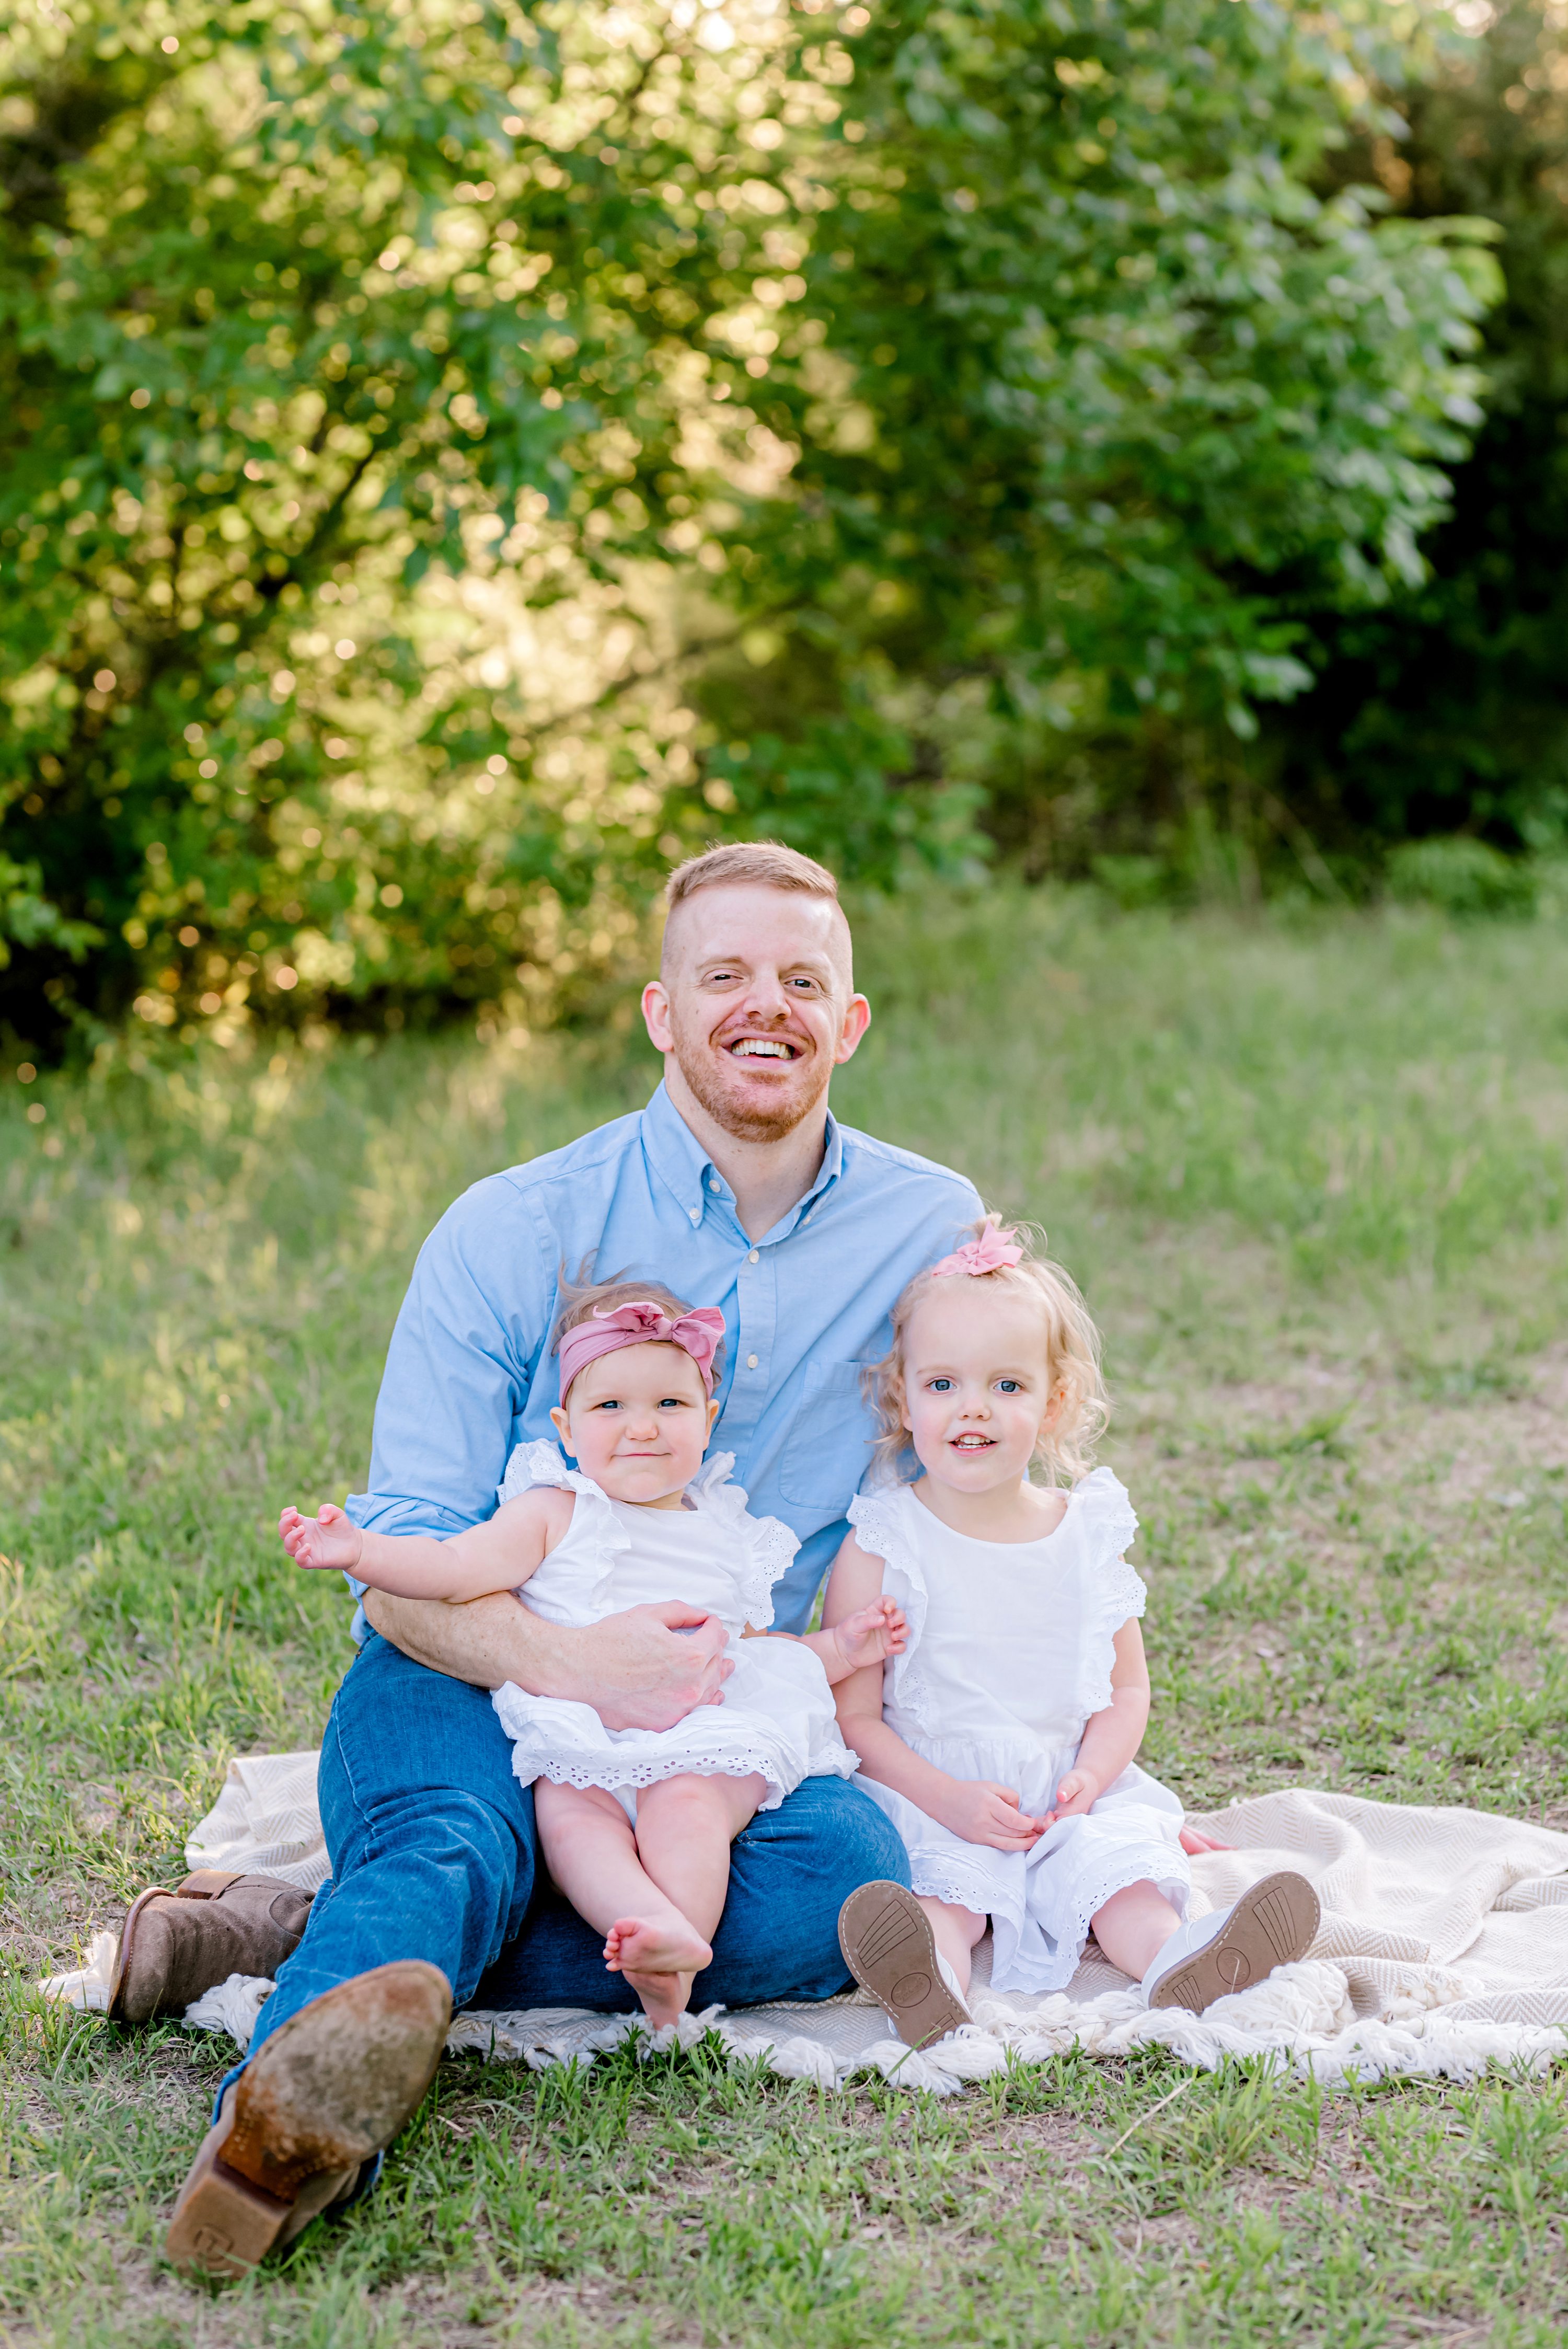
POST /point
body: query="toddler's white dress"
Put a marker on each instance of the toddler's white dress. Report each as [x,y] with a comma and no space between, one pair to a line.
[1009,1652]
[777,1716]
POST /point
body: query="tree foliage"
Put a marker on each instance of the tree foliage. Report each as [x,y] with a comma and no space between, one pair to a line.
[456,455]
[1448,708]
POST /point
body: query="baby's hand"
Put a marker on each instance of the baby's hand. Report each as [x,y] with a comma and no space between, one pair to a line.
[982,1812]
[1079,1791]
[872,1634]
[331,1540]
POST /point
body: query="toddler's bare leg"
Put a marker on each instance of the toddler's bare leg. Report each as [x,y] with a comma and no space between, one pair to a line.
[1134,1926]
[685,1829]
[587,1841]
[956,1931]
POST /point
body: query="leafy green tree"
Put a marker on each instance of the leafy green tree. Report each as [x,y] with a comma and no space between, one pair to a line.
[455,455]
[1446,709]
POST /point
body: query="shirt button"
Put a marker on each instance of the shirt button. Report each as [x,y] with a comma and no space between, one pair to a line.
[697,1215]
[752,1257]
[714,1184]
[751,1361]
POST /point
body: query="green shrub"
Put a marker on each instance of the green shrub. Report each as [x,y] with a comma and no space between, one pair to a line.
[1462,876]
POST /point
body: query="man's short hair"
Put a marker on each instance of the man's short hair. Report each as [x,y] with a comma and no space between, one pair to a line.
[761,863]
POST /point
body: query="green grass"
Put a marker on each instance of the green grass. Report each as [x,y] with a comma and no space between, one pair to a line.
[1314,1180]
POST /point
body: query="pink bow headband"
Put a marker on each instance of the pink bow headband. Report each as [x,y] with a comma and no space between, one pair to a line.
[644,1323]
[993,1251]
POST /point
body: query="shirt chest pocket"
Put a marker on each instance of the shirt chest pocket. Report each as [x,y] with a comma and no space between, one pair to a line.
[828,1448]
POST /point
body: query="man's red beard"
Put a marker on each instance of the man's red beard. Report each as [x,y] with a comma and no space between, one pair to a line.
[747,1120]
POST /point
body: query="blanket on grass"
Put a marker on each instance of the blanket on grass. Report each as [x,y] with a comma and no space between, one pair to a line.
[1443,1950]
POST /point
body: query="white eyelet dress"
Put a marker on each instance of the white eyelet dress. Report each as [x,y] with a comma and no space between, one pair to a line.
[1009,1653]
[777,1716]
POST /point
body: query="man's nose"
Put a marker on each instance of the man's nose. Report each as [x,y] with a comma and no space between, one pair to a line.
[765,997]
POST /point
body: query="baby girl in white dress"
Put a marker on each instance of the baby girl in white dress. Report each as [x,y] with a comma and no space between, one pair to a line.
[636,1824]
[1000,1737]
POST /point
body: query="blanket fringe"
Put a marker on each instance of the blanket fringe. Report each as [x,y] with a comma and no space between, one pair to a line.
[1300,2023]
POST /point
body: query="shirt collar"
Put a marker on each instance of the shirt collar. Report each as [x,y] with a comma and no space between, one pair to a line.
[694,1180]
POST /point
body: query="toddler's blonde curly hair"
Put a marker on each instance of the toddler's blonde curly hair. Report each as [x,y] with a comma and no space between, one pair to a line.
[1065,1447]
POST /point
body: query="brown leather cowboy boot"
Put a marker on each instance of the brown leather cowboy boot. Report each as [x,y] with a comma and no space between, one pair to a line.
[176,1944]
[328,2091]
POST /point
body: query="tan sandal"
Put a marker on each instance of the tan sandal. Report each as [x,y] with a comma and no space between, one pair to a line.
[888,1946]
[1273,1924]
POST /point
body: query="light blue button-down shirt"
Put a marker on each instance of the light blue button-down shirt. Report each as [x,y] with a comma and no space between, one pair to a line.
[469,1371]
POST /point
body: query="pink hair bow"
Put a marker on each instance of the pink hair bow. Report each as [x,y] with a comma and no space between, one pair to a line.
[992,1251]
[642,1323]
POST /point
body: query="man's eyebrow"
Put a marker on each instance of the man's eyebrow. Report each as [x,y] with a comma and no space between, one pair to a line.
[812,962]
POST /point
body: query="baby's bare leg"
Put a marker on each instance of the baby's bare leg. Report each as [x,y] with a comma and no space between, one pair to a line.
[685,1829]
[588,1845]
[956,1931]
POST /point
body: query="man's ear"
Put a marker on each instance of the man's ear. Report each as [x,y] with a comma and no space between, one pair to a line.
[857,1019]
[656,1015]
[563,1426]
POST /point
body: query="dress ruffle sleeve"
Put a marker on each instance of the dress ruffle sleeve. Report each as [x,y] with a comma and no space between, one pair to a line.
[765,1547]
[880,1527]
[600,1532]
[1118,1592]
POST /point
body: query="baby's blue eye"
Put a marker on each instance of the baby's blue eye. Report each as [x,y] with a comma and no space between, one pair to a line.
[1010,1386]
[940,1386]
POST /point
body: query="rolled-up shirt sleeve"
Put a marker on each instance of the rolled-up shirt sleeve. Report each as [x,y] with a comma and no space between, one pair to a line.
[470,1334]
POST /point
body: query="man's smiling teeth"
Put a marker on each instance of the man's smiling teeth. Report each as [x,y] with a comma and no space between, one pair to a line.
[761,1048]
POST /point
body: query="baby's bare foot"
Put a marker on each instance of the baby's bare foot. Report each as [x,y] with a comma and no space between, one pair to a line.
[659,1957]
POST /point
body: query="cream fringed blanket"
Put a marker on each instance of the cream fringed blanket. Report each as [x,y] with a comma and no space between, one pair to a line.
[1444,1948]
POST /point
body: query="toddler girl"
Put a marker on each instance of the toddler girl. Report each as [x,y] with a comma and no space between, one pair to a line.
[636,1824]
[1000,1739]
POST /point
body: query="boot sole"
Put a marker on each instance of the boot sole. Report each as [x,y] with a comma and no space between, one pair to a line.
[330,2089]
[1272,1925]
[888,1947]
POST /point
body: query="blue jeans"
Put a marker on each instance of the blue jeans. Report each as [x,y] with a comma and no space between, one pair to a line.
[434,1855]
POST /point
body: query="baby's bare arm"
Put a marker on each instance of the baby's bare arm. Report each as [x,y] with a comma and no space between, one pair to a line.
[860,1641]
[497,1556]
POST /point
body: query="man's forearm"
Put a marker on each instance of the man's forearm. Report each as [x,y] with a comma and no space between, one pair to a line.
[644,1669]
[485,1642]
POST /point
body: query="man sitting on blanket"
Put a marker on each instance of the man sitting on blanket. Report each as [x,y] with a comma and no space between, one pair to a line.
[737,1187]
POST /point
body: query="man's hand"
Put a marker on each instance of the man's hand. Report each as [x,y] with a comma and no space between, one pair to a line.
[645,1669]
[982,1812]
[330,1541]
[648,1667]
